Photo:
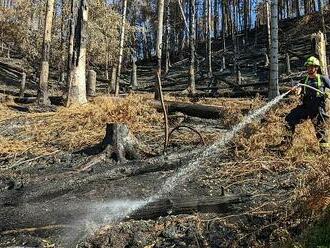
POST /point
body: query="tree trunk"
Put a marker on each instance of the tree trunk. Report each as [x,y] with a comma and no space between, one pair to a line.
[192,15]
[319,47]
[168,33]
[287,9]
[246,14]
[234,38]
[23,83]
[204,21]
[77,53]
[91,83]
[273,86]
[326,146]
[121,46]
[324,30]
[224,31]
[297,8]
[112,86]
[158,85]
[119,144]
[238,76]
[159,46]
[185,33]
[288,65]
[63,40]
[134,82]
[146,54]
[209,39]
[43,80]
[268,25]
[107,60]
[216,18]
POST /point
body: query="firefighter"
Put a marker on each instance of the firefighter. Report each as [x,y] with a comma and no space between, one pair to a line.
[312,107]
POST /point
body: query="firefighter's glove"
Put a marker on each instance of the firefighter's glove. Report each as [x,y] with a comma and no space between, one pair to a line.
[327,95]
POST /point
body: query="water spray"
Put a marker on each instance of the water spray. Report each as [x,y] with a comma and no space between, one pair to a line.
[116,211]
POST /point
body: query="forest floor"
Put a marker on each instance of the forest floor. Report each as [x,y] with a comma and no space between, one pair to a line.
[56,191]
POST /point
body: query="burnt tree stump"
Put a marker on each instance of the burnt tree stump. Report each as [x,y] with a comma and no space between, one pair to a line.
[91,83]
[23,85]
[119,144]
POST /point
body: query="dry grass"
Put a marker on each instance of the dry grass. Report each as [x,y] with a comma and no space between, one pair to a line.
[304,160]
[5,112]
[79,126]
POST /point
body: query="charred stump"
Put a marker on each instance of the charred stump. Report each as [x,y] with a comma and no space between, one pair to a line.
[23,85]
[91,83]
[119,144]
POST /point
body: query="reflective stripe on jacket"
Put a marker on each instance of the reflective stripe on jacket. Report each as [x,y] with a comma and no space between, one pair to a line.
[319,85]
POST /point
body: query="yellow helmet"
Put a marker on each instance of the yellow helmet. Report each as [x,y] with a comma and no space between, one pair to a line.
[312,61]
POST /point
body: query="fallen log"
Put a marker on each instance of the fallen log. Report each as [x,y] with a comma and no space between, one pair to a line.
[234,85]
[61,214]
[55,100]
[12,68]
[189,205]
[300,56]
[14,93]
[192,109]
[234,94]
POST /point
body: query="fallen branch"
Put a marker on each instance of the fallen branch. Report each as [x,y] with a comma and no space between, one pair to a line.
[159,85]
[190,128]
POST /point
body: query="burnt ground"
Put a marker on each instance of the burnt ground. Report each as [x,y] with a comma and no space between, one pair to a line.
[66,198]
[54,195]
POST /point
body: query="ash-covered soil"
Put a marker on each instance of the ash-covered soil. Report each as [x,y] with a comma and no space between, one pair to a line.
[65,198]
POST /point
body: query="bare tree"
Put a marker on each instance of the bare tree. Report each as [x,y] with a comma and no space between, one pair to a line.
[134,82]
[234,37]
[77,53]
[192,85]
[158,86]
[44,72]
[63,40]
[209,39]
[268,31]
[246,14]
[297,8]
[224,30]
[121,46]
[159,46]
[273,83]
[216,18]
[168,33]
